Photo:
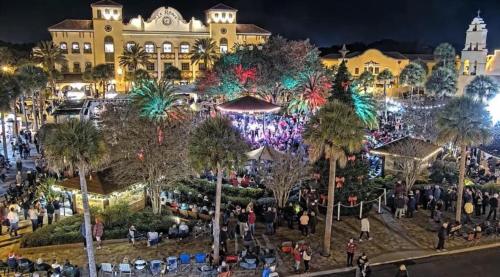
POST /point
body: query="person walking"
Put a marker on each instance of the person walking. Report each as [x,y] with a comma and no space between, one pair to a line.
[82,233]
[431,206]
[478,203]
[242,222]
[366,271]
[33,215]
[41,214]
[13,221]
[486,202]
[493,207]
[19,178]
[297,257]
[98,231]
[304,222]
[57,210]
[50,212]
[399,202]
[362,260]
[365,229]
[402,272]
[313,221]
[412,205]
[306,256]
[469,209]
[350,250]
[269,221]
[442,234]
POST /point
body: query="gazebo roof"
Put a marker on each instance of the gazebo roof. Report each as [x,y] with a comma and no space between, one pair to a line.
[97,183]
[428,149]
[265,153]
[248,104]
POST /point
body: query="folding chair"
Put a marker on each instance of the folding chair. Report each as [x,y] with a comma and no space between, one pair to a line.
[125,269]
[185,262]
[107,268]
[172,266]
[200,259]
[155,267]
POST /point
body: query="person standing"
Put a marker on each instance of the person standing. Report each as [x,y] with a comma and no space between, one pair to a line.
[57,210]
[431,205]
[33,214]
[304,222]
[19,178]
[297,257]
[41,214]
[412,205]
[82,233]
[400,206]
[365,228]
[50,212]
[478,203]
[98,231]
[313,221]
[486,202]
[306,256]
[493,207]
[232,222]
[251,221]
[350,249]
[289,214]
[242,221]
[469,209]
[442,233]
[366,271]
[269,220]
[13,221]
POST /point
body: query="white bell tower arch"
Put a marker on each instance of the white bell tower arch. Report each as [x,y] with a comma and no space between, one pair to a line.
[475,53]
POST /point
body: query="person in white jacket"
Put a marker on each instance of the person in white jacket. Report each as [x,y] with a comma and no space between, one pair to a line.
[365,228]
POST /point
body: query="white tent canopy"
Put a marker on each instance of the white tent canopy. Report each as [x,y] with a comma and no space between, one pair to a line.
[265,153]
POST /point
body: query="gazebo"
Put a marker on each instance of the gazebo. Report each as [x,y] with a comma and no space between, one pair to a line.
[264,153]
[248,105]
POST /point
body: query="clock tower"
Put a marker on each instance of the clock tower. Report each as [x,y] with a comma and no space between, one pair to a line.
[221,20]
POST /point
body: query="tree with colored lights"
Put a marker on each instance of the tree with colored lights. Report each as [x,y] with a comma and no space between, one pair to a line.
[366,80]
[78,144]
[33,80]
[442,82]
[482,88]
[312,94]
[385,77]
[412,75]
[102,74]
[204,50]
[9,92]
[49,55]
[216,144]
[465,123]
[332,133]
[341,83]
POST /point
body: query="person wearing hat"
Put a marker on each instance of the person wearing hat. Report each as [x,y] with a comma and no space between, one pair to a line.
[412,204]
[402,272]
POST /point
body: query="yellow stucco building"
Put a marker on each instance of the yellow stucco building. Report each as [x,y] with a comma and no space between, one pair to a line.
[165,35]
[375,61]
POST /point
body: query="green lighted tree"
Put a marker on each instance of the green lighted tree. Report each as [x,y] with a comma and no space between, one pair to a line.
[465,123]
[216,144]
[78,144]
[331,133]
[482,88]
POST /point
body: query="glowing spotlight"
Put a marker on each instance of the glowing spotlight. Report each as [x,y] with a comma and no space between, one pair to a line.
[494,108]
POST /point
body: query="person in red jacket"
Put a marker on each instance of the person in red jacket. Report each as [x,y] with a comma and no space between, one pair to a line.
[297,257]
[350,249]
[251,221]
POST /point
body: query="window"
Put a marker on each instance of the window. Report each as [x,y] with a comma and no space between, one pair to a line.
[223,45]
[150,66]
[184,66]
[88,66]
[76,68]
[129,45]
[64,47]
[75,48]
[356,71]
[149,47]
[184,48]
[115,12]
[202,66]
[87,48]
[99,14]
[64,68]
[377,70]
[109,49]
[106,11]
[167,47]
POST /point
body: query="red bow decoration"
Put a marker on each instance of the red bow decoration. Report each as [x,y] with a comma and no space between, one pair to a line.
[160,134]
[339,182]
[140,155]
[244,75]
[351,158]
[352,200]
[345,85]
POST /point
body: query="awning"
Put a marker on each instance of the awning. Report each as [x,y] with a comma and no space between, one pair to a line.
[248,104]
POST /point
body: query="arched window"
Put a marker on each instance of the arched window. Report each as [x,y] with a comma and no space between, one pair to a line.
[109,49]
[129,45]
[149,47]
[75,48]
[223,45]
[64,47]
[184,47]
[167,47]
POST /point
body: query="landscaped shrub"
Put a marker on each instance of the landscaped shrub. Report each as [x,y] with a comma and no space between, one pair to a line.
[117,220]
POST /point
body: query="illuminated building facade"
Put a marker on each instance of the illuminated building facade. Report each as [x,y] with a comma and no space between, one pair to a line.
[165,35]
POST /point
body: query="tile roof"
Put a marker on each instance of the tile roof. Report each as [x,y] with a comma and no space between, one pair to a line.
[250,29]
[73,24]
[392,54]
[424,57]
[106,3]
[223,7]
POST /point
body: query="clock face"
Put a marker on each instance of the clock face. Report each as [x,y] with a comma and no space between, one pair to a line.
[108,28]
[167,20]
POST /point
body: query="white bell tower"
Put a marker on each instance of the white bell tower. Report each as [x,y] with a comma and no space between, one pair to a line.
[475,52]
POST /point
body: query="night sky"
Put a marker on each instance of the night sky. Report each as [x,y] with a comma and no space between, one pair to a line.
[325,22]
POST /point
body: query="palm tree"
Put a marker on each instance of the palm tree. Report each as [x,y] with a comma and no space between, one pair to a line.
[133,58]
[49,55]
[138,76]
[77,144]
[102,74]
[482,88]
[385,77]
[412,75]
[9,91]
[465,123]
[333,131]
[442,82]
[33,80]
[217,145]
[366,80]
[204,50]
[445,55]
[157,101]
